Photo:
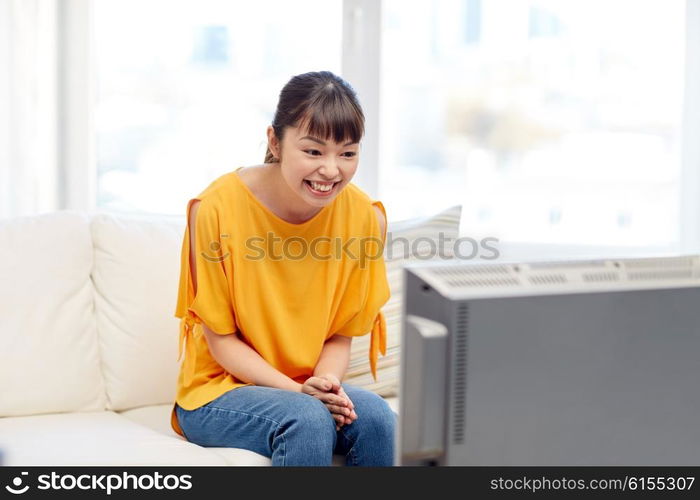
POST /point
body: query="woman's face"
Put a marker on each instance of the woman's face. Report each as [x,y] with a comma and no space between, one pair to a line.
[314,168]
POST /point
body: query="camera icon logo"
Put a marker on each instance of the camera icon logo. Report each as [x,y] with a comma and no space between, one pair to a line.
[17,482]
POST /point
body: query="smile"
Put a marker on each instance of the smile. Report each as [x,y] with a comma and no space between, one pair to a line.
[320,189]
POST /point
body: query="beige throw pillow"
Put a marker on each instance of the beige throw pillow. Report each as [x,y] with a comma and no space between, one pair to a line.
[402,246]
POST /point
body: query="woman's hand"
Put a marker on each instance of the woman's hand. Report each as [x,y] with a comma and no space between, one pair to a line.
[345,417]
[328,390]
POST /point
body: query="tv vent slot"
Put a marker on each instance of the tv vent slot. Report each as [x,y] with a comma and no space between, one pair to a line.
[661,275]
[460,373]
[600,277]
[656,263]
[468,271]
[483,282]
[547,279]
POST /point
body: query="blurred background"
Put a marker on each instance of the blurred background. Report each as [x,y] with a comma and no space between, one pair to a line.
[567,127]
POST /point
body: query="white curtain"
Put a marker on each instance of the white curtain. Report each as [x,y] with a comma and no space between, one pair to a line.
[29,156]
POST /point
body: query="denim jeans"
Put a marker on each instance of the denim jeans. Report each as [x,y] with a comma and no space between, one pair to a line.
[294,429]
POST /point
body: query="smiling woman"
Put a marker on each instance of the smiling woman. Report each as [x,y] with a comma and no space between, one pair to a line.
[267,340]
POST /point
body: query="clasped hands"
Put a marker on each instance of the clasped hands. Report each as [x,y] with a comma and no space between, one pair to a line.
[328,390]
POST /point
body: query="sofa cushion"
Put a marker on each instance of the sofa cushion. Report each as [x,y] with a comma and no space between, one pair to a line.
[136,270]
[406,241]
[50,358]
[99,438]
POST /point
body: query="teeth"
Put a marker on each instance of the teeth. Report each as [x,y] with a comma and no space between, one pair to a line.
[321,187]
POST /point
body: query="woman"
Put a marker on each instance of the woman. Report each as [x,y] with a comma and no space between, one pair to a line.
[282,264]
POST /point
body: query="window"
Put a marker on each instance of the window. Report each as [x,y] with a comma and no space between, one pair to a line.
[549,121]
[553,122]
[185,100]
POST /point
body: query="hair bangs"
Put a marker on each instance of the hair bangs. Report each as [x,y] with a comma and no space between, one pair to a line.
[333,117]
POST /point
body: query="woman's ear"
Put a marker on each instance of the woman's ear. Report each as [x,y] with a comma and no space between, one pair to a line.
[272,142]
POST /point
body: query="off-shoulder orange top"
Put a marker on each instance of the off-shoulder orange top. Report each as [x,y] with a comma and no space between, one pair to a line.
[285,288]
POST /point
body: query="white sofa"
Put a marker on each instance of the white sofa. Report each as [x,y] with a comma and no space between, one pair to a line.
[89,343]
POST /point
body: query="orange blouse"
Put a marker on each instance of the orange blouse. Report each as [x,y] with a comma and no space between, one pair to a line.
[285,288]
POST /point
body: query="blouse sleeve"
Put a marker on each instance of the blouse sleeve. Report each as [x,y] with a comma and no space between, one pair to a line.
[211,304]
[375,292]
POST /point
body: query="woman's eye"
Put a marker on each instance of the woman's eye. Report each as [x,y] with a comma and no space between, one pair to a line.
[313,152]
[349,154]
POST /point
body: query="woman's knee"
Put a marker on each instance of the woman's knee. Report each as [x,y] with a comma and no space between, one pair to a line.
[311,415]
[382,418]
[375,414]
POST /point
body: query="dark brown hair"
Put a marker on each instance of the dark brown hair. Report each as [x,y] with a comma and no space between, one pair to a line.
[323,103]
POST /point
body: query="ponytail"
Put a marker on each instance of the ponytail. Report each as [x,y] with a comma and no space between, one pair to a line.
[269,157]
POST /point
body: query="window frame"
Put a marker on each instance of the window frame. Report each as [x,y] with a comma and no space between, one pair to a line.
[77,100]
[690,152]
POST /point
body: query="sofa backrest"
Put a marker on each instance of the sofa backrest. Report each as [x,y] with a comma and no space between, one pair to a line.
[135,274]
[50,354]
[407,241]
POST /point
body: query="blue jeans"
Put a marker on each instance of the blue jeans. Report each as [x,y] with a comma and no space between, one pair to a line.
[292,428]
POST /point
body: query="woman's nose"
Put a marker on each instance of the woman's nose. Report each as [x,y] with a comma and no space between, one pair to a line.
[329,169]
